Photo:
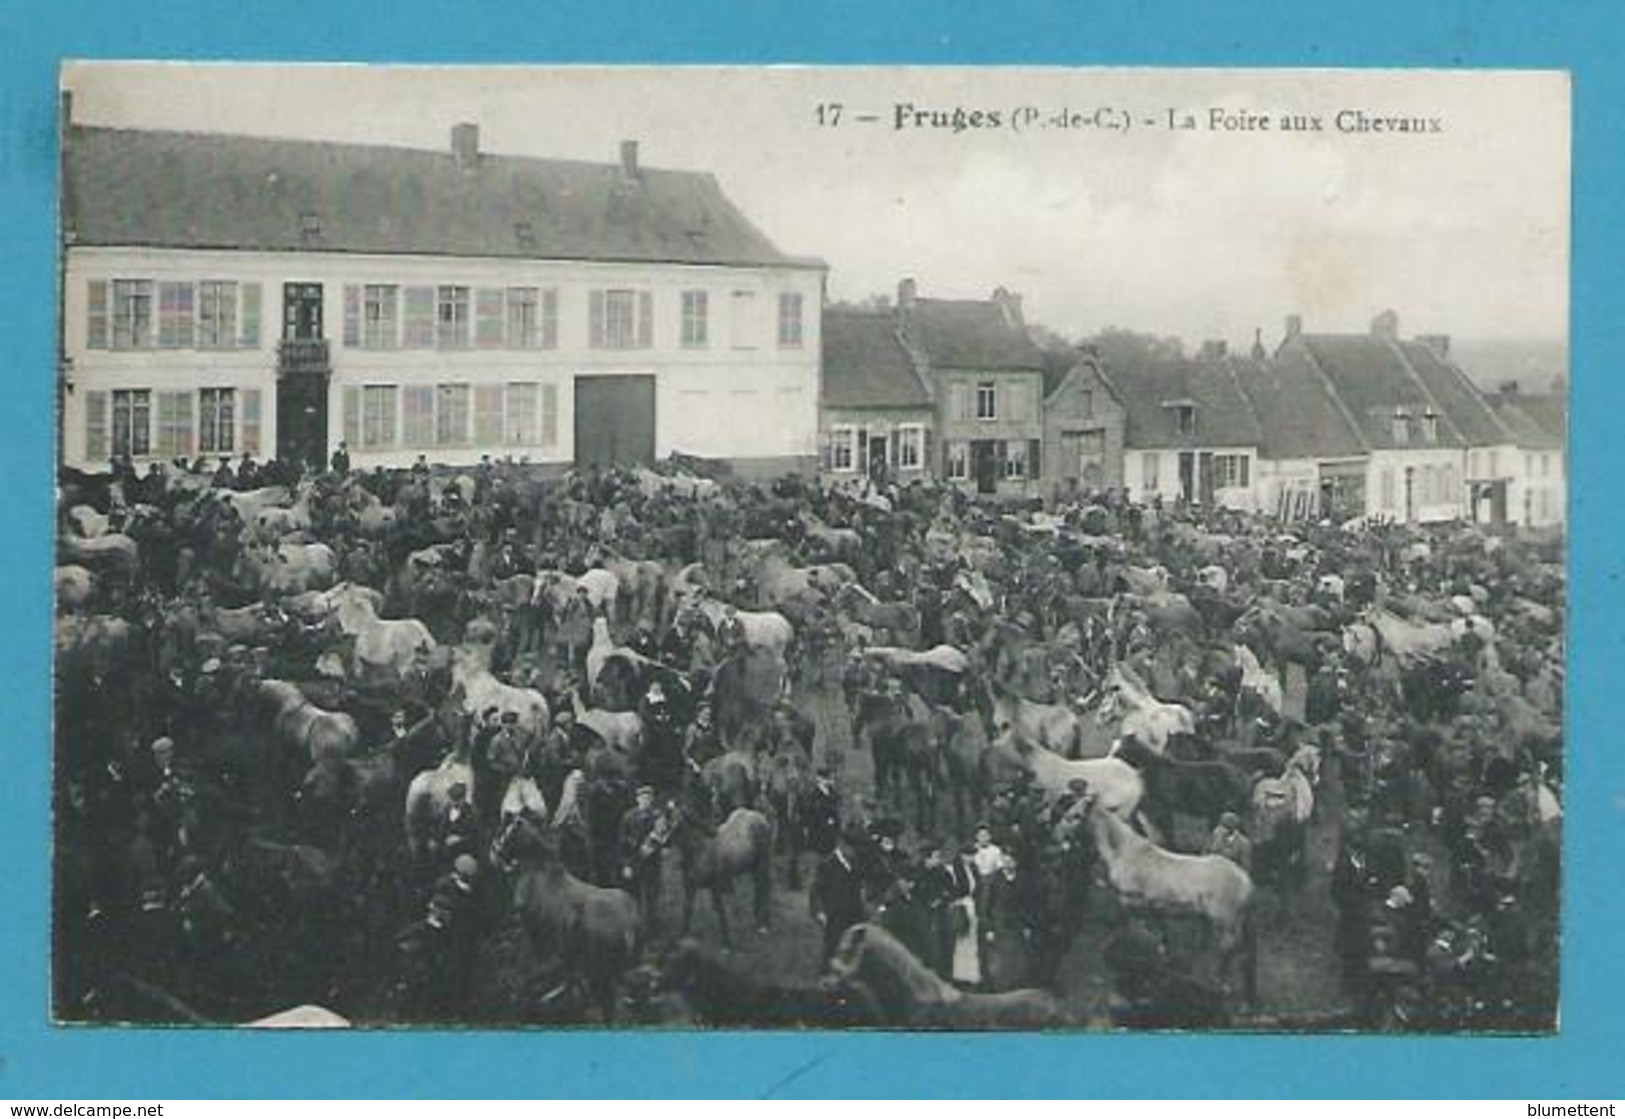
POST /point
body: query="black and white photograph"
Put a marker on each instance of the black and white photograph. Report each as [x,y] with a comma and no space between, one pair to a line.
[779,547]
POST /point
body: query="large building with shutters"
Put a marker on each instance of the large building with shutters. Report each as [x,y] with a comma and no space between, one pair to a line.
[224,294]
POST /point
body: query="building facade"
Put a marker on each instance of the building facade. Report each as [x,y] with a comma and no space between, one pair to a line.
[1084,426]
[876,416]
[986,381]
[226,295]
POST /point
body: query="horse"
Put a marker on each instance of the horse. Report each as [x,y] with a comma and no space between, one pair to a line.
[1203,789]
[620,731]
[384,648]
[1117,785]
[1147,718]
[1054,726]
[112,551]
[74,587]
[903,739]
[712,858]
[766,631]
[1147,877]
[595,933]
[427,796]
[912,996]
[310,730]
[483,691]
[718,995]
[729,781]
[288,568]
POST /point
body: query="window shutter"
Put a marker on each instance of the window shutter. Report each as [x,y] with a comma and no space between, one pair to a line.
[550,318]
[175,315]
[550,415]
[418,405]
[96,325]
[488,415]
[183,423]
[420,315]
[646,319]
[96,423]
[1246,470]
[1035,465]
[251,421]
[863,450]
[925,450]
[352,314]
[352,416]
[595,320]
[947,458]
[489,318]
[895,446]
[249,336]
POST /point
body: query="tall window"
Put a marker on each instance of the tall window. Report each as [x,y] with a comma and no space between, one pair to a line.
[1401,429]
[519,409]
[1015,459]
[789,318]
[524,318]
[958,460]
[843,448]
[216,421]
[380,326]
[451,318]
[1430,428]
[1185,418]
[132,315]
[910,446]
[1231,471]
[1150,467]
[621,319]
[490,317]
[377,417]
[1086,403]
[132,421]
[987,401]
[451,410]
[696,309]
[216,314]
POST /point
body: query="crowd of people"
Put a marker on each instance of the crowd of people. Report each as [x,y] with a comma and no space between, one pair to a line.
[225,846]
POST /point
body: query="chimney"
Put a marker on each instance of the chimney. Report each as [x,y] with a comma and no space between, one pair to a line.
[629,160]
[1259,353]
[1294,326]
[1386,326]
[465,145]
[1438,343]
[1214,348]
[1507,388]
[1010,306]
[905,293]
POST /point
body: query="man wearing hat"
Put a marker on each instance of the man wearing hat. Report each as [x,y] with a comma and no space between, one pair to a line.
[822,812]
[836,897]
[1230,841]
[640,858]
[459,829]
[505,756]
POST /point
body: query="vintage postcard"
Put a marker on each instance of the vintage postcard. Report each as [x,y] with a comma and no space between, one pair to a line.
[899,548]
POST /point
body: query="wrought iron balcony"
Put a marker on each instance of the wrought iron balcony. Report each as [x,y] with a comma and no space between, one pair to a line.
[303,357]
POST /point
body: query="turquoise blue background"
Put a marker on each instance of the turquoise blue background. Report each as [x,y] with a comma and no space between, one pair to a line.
[38,1061]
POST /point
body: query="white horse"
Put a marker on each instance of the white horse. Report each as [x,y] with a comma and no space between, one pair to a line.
[483,691]
[382,645]
[1145,716]
[1118,785]
[1259,680]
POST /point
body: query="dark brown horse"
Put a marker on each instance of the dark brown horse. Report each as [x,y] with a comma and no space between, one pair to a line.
[594,933]
[713,857]
[718,995]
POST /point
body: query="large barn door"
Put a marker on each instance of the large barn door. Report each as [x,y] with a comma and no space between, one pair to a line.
[614,420]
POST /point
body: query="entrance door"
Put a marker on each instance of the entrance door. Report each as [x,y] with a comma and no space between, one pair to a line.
[301,312]
[302,377]
[984,465]
[877,456]
[614,420]
[301,419]
[1187,475]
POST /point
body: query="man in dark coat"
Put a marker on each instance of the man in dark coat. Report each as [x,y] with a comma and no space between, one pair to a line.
[836,898]
[341,459]
[822,813]
[640,858]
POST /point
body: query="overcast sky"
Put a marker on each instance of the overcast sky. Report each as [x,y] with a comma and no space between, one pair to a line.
[1202,234]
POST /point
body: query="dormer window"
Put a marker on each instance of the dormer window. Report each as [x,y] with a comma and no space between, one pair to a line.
[1401,428]
[310,226]
[1430,427]
[1183,414]
[525,234]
